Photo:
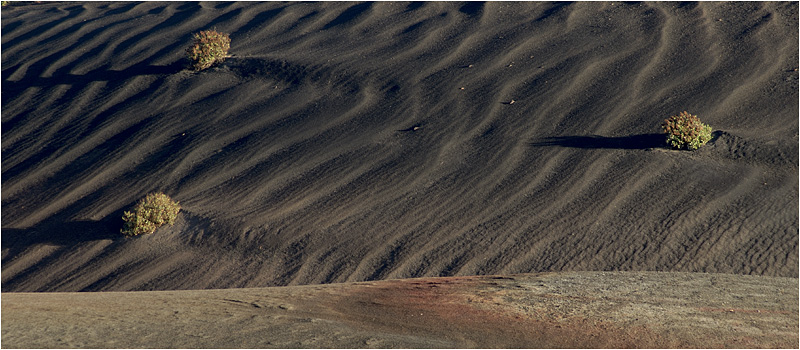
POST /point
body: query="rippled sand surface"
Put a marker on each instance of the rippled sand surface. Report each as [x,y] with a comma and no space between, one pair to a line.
[349,142]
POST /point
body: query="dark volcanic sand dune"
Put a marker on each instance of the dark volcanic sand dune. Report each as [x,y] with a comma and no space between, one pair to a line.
[363,141]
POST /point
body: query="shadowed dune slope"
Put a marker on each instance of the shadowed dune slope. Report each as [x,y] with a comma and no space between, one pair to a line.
[365,141]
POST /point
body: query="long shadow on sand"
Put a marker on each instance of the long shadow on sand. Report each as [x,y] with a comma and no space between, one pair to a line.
[61,233]
[642,141]
[62,230]
[100,74]
[16,242]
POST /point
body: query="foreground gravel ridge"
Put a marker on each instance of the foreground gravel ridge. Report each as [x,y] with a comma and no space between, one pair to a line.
[570,309]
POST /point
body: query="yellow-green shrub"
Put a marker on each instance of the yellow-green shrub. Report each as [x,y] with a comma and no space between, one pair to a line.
[209,47]
[153,211]
[686,131]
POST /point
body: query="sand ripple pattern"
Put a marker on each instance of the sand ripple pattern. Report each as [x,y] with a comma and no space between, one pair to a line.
[361,141]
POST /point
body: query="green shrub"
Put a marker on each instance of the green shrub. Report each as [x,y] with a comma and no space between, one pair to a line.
[686,131]
[155,210]
[209,47]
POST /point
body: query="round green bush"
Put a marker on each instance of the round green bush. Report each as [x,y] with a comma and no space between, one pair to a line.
[150,213]
[209,47]
[686,131]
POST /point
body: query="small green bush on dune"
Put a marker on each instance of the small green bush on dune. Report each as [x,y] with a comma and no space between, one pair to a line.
[150,213]
[209,47]
[686,131]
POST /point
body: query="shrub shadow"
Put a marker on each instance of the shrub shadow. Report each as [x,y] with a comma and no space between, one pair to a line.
[100,74]
[17,243]
[642,141]
[60,230]
[61,233]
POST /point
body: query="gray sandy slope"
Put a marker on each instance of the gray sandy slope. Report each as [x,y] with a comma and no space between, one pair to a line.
[352,142]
